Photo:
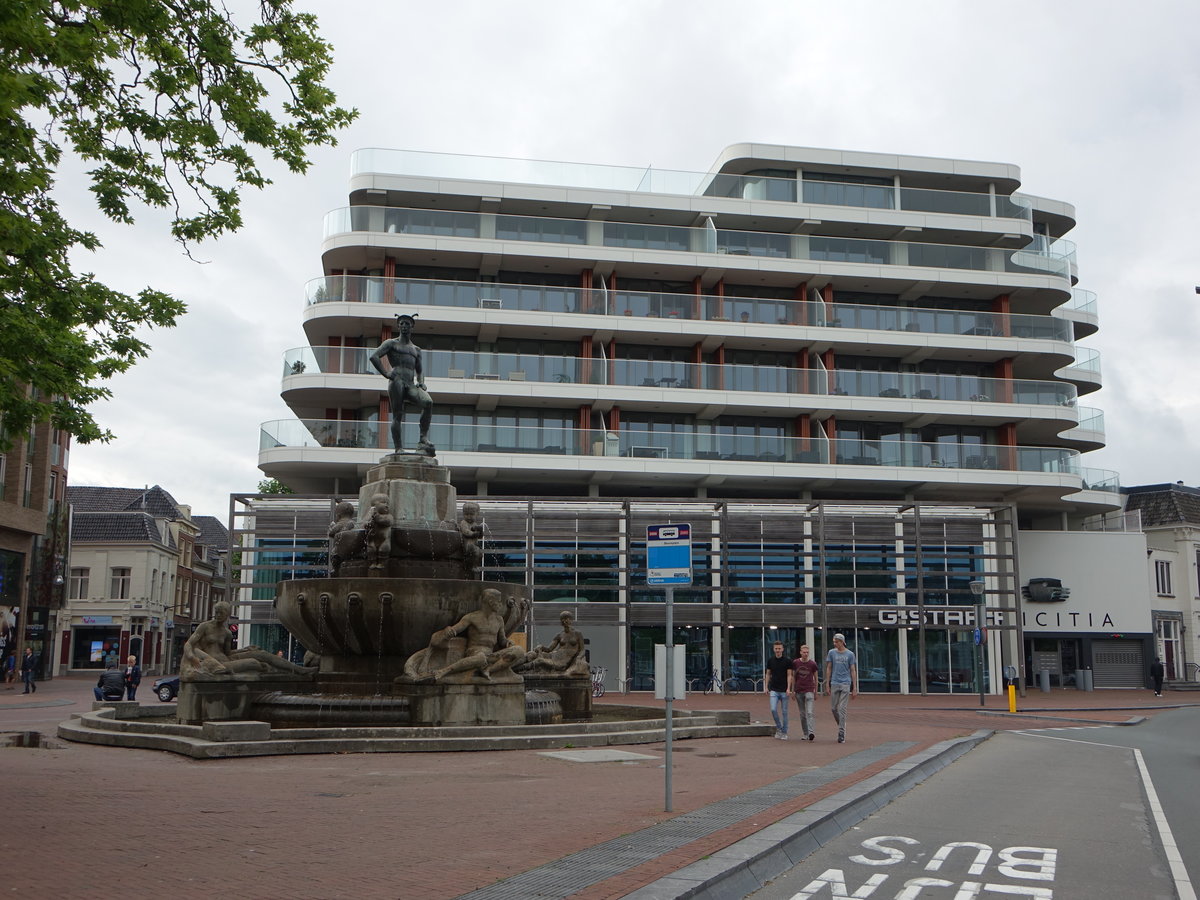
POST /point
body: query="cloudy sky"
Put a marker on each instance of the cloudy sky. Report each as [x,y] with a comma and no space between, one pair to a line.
[1096,101]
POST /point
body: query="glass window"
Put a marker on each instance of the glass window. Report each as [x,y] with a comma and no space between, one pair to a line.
[79,584]
[119,588]
[1162,576]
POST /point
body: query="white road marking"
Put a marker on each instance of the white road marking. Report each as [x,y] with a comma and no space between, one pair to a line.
[1183,883]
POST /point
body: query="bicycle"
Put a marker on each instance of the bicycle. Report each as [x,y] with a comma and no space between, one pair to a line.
[598,673]
[706,683]
[736,683]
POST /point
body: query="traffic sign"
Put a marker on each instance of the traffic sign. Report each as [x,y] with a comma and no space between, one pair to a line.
[669,554]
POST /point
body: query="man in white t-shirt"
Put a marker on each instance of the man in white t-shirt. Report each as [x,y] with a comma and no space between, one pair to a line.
[841,680]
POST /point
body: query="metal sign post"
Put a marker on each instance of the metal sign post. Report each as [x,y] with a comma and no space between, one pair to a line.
[669,562]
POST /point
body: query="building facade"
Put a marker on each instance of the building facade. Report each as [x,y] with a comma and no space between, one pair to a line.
[1170,517]
[142,575]
[796,338]
[33,542]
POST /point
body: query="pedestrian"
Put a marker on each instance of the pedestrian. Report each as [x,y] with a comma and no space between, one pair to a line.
[805,672]
[133,677]
[841,680]
[110,685]
[777,682]
[1157,673]
[29,671]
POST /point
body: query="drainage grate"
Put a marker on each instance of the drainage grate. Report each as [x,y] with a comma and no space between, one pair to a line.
[573,873]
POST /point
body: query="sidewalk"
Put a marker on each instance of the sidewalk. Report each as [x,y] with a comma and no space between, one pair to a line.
[442,825]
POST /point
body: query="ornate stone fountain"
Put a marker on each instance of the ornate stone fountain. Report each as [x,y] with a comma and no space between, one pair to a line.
[403,631]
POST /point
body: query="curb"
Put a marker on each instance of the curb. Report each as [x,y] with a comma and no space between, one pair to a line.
[746,865]
[1133,720]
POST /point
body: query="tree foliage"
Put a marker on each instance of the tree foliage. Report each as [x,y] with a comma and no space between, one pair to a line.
[273,486]
[167,103]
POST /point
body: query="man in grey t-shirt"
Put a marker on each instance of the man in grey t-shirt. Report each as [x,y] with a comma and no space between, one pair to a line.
[841,680]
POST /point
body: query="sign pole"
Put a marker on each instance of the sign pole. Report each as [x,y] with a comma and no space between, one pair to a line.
[669,693]
[668,563]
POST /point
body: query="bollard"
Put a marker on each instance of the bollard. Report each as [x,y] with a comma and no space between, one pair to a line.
[1044,680]
[1012,697]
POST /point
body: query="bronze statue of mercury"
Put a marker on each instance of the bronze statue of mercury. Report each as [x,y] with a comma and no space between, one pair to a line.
[406,382]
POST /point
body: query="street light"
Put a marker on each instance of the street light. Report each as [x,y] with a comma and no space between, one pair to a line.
[977,589]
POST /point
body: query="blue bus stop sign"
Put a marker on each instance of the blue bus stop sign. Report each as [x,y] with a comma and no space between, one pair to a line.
[668,554]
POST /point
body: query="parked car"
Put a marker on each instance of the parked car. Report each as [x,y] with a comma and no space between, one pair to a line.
[166,688]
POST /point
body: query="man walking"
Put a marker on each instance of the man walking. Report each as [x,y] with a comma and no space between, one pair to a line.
[804,685]
[29,671]
[1157,673]
[777,682]
[841,679]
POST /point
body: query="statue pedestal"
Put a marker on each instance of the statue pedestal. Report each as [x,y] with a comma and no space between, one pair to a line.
[229,700]
[463,704]
[575,692]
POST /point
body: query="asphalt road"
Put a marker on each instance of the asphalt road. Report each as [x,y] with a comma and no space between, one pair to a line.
[1059,813]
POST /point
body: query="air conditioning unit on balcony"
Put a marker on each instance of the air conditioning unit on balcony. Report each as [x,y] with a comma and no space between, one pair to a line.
[490,303]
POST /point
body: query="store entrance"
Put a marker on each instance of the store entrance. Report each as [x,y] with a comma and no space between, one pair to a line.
[1059,656]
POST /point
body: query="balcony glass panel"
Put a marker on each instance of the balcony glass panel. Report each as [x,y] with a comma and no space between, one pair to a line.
[1036,259]
[674,374]
[523,433]
[744,310]
[643,179]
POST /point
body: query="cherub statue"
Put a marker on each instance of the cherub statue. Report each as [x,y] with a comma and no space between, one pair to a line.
[472,532]
[379,533]
[343,513]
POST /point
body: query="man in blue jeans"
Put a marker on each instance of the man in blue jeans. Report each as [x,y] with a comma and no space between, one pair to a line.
[777,682]
[841,679]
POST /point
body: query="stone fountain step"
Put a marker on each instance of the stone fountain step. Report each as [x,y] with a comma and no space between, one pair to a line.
[103,727]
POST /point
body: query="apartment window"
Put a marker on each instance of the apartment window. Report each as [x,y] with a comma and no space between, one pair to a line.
[79,584]
[1162,576]
[28,486]
[119,589]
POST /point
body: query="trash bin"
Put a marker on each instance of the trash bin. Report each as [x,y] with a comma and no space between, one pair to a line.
[1088,684]
[1044,680]
[1080,680]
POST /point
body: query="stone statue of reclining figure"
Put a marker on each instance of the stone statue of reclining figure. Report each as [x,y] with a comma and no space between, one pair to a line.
[564,656]
[209,655]
[489,653]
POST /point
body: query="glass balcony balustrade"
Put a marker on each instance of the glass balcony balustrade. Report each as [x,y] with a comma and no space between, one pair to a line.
[634,179]
[734,445]
[1087,360]
[1091,419]
[743,310]
[1082,301]
[705,376]
[1101,480]
[1038,258]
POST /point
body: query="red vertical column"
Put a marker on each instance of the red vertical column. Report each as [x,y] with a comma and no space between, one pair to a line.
[584,427]
[799,314]
[1003,307]
[585,291]
[1006,435]
[697,299]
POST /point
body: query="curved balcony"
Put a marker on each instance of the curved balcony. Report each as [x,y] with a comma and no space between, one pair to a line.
[630,179]
[698,376]
[704,307]
[1037,259]
[645,444]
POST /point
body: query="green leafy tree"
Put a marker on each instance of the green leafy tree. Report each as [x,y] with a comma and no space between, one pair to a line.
[169,104]
[273,486]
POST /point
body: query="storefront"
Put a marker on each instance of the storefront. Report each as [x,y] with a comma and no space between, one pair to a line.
[95,643]
[1086,609]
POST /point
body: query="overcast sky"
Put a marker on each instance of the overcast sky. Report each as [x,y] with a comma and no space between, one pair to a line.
[1095,101]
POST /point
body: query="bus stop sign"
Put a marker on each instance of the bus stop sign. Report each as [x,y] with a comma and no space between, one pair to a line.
[668,554]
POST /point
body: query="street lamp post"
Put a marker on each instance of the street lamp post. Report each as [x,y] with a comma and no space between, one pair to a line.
[977,589]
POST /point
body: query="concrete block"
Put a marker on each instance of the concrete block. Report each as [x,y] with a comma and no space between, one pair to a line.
[236,731]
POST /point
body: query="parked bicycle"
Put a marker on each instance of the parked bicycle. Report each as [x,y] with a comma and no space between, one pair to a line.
[706,683]
[737,683]
[598,673]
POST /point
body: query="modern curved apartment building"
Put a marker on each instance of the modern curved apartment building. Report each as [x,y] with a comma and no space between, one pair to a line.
[821,358]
